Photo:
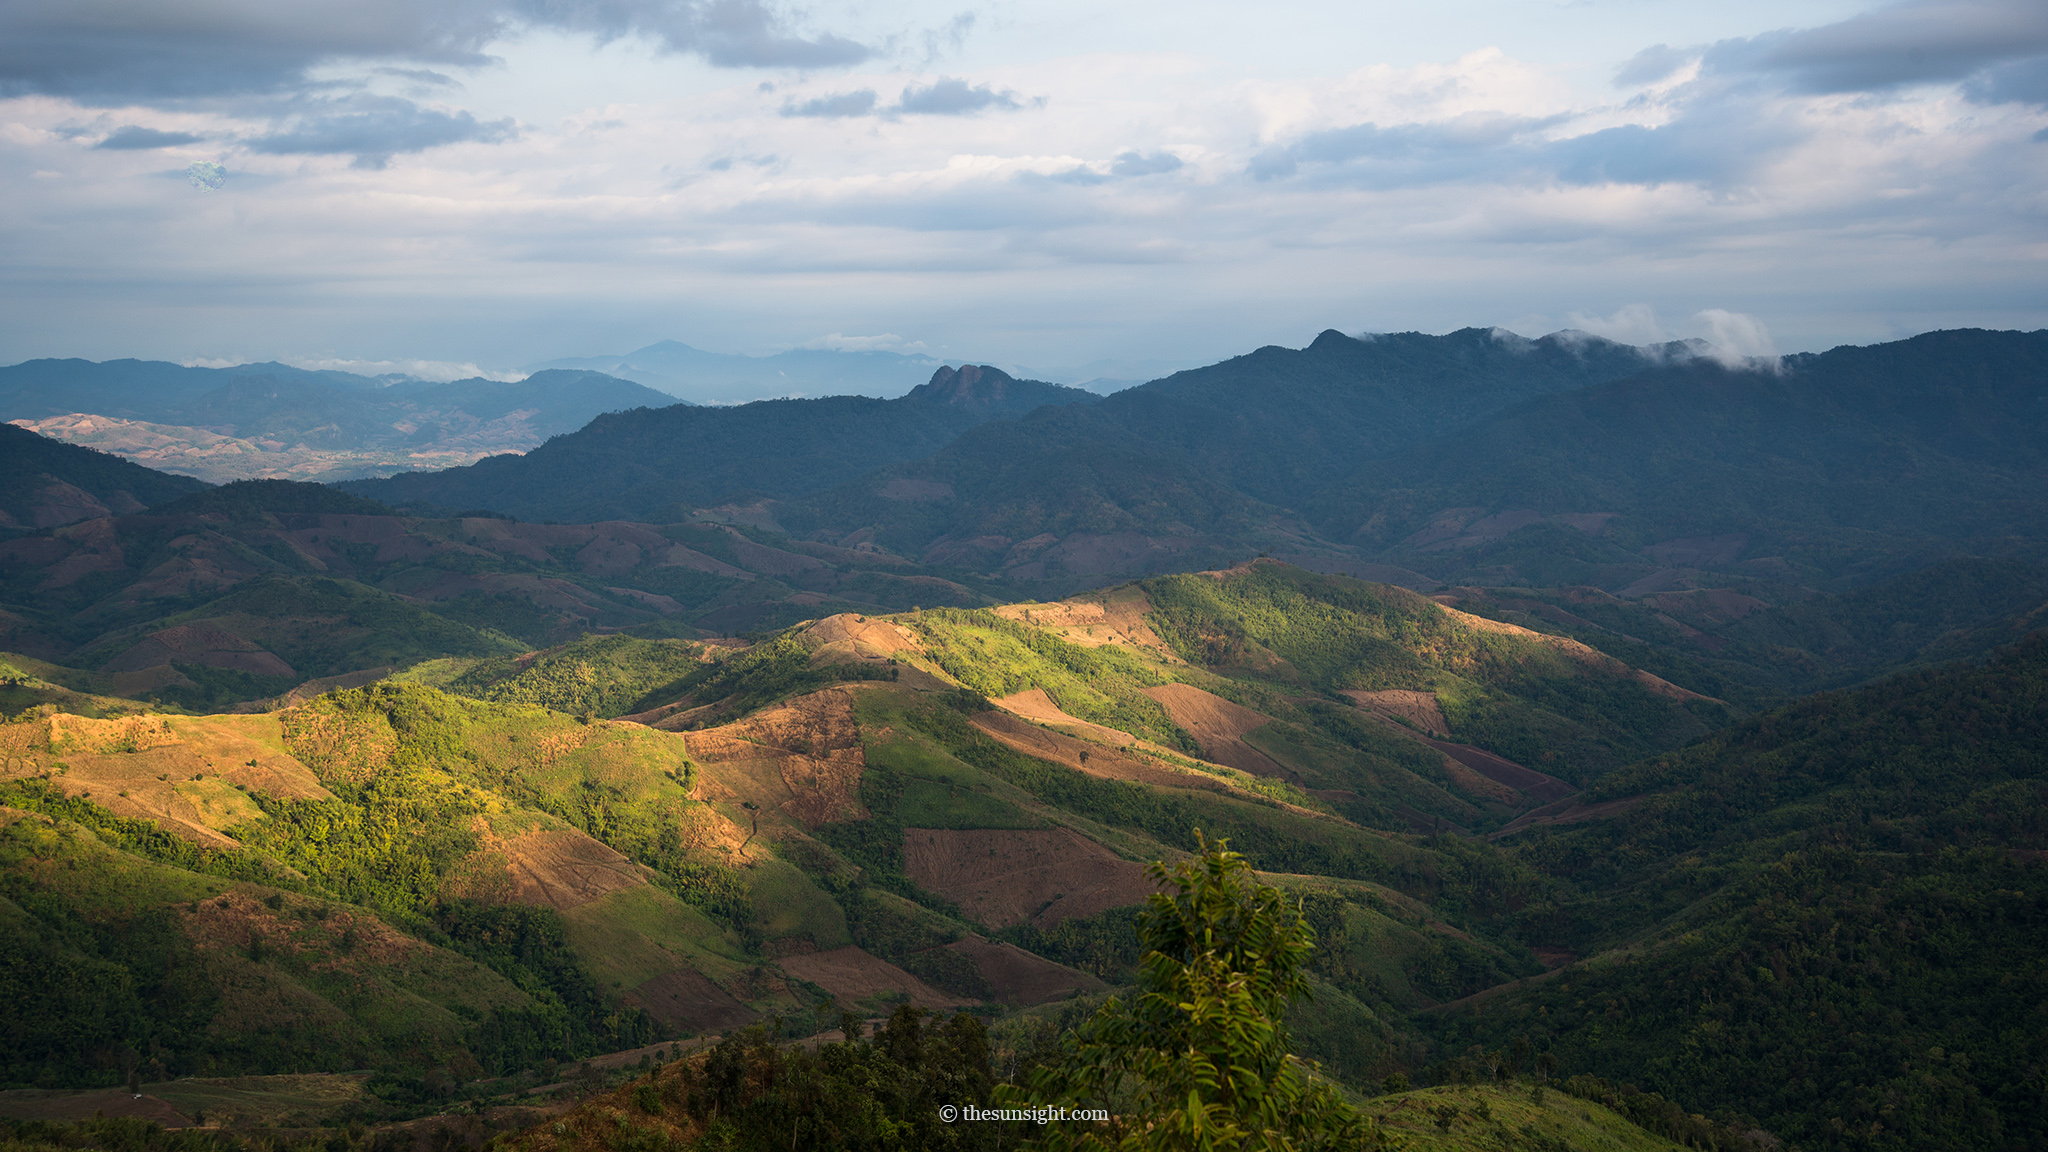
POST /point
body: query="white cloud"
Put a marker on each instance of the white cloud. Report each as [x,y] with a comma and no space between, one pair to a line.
[1630,324]
[1736,339]
[886,342]
[435,370]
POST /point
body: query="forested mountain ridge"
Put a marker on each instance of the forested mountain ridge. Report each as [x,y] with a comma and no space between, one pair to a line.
[1854,459]
[661,465]
[1832,914]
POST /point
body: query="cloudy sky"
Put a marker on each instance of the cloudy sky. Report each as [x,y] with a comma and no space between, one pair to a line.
[496,182]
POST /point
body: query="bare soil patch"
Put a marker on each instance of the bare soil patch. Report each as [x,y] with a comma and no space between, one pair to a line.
[182,772]
[1218,724]
[1117,617]
[1010,877]
[1537,786]
[196,644]
[852,975]
[1020,978]
[1417,708]
[1082,756]
[58,1104]
[814,742]
[859,637]
[687,1000]
[564,868]
[1033,704]
[1566,812]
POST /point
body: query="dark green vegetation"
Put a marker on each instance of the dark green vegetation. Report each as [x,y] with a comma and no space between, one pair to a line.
[1829,916]
[662,465]
[1201,1054]
[747,1092]
[1735,646]
[595,676]
[1854,461]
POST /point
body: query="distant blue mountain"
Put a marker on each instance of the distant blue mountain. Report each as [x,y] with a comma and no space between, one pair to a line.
[724,378]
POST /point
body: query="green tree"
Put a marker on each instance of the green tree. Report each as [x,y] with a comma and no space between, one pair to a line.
[1200,1058]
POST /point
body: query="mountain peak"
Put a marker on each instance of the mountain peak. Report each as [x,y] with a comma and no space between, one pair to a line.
[970,384]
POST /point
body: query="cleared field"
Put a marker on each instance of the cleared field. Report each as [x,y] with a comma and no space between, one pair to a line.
[1220,726]
[1020,978]
[1012,877]
[852,976]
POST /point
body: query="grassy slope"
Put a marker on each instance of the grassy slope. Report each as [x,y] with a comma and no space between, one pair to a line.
[1525,699]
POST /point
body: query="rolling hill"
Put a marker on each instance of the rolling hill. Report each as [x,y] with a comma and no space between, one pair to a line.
[1511,846]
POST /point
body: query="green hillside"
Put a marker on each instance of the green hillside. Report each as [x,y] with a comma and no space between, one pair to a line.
[1523,863]
[1827,916]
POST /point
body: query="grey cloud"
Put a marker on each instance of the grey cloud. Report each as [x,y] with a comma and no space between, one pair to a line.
[424,76]
[740,34]
[836,104]
[1713,143]
[1652,64]
[1924,41]
[1698,150]
[1124,167]
[2025,82]
[136,138]
[1405,153]
[1139,164]
[1079,174]
[946,97]
[374,129]
[109,51]
[951,97]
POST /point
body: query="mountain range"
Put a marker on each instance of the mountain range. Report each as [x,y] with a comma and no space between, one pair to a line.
[725,378]
[273,421]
